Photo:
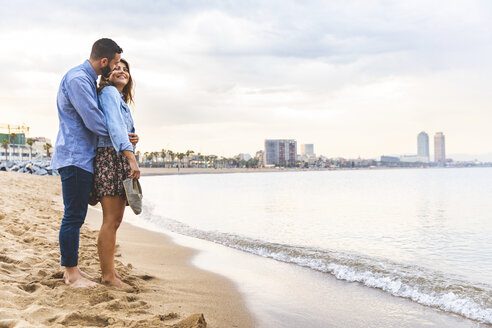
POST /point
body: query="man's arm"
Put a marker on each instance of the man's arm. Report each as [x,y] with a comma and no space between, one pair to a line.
[80,93]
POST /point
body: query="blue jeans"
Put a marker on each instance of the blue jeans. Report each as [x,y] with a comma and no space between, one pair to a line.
[76,186]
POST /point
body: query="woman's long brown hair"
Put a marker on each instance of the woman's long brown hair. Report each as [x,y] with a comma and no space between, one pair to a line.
[127,90]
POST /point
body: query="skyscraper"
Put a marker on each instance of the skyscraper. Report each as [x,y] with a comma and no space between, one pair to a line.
[307,149]
[423,147]
[280,152]
[439,148]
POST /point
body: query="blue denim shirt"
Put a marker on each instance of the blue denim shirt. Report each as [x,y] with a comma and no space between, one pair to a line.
[118,120]
[81,121]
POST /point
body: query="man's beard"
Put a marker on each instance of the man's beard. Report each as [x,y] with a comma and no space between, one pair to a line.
[106,72]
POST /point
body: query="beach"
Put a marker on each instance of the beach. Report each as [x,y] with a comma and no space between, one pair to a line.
[193,277]
[165,290]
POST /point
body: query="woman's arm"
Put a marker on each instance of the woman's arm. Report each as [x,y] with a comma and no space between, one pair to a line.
[110,102]
[110,99]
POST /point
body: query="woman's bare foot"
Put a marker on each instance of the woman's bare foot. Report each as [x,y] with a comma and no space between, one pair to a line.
[74,278]
[114,282]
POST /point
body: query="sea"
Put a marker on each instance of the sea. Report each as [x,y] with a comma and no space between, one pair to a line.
[422,236]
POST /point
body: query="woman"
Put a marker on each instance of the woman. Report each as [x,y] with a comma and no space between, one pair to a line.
[114,163]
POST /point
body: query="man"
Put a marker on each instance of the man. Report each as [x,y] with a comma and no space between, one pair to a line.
[80,123]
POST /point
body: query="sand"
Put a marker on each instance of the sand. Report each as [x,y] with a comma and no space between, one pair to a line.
[165,289]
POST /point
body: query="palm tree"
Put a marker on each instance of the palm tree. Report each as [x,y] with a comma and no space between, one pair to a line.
[173,155]
[163,156]
[5,145]
[200,157]
[138,154]
[180,157]
[47,146]
[30,142]
[13,136]
[188,153]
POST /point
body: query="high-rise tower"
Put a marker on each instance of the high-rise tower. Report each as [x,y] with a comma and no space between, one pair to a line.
[423,147]
[282,152]
[439,148]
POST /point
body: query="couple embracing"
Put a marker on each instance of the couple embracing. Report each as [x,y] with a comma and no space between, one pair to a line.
[94,154]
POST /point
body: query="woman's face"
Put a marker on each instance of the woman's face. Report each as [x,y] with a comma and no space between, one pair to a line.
[120,76]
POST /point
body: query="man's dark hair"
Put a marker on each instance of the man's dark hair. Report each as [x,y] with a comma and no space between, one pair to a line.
[105,48]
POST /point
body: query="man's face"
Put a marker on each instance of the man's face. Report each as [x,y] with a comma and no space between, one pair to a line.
[106,70]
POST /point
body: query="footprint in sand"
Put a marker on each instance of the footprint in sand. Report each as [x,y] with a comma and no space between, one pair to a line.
[79,319]
[30,287]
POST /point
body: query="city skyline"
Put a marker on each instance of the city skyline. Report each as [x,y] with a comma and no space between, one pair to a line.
[422,155]
[221,77]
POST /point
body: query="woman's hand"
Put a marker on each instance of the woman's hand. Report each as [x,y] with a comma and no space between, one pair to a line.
[135,173]
[133,138]
[135,170]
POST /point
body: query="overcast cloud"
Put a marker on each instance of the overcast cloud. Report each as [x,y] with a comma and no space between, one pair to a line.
[354,78]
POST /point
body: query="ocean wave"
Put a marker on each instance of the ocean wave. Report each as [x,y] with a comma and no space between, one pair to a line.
[424,286]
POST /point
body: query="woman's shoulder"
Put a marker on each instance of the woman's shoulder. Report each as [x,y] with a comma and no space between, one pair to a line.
[109,90]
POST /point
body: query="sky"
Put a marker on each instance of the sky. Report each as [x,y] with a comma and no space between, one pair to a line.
[355,78]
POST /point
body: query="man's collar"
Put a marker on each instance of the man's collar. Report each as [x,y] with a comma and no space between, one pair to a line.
[88,67]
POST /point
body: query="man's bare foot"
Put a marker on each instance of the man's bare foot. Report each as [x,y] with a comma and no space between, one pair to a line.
[84,274]
[74,278]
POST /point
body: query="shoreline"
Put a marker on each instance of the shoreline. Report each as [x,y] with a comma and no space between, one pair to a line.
[157,171]
[186,287]
[165,289]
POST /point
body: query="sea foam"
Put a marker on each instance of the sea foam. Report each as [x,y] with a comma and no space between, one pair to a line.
[424,286]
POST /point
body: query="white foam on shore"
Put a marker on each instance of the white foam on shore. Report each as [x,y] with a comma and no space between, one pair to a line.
[430,288]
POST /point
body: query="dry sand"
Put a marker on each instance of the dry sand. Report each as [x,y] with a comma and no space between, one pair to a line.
[166,290]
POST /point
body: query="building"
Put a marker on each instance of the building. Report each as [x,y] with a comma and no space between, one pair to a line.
[410,159]
[281,152]
[260,156]
[423,147]
[16,136]
[389,159]
[308,157]
[439,148]
[307,149]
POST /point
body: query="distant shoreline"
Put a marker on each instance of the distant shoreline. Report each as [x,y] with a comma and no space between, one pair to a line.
[155,171]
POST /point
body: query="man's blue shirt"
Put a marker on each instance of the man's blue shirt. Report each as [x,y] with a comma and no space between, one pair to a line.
[81,121]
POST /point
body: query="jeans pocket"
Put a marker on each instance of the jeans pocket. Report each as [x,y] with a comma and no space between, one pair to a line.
[67,172]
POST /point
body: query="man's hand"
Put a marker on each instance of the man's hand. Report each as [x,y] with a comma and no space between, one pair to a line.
[133,138]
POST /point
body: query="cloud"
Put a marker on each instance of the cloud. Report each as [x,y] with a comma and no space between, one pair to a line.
[345,75]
